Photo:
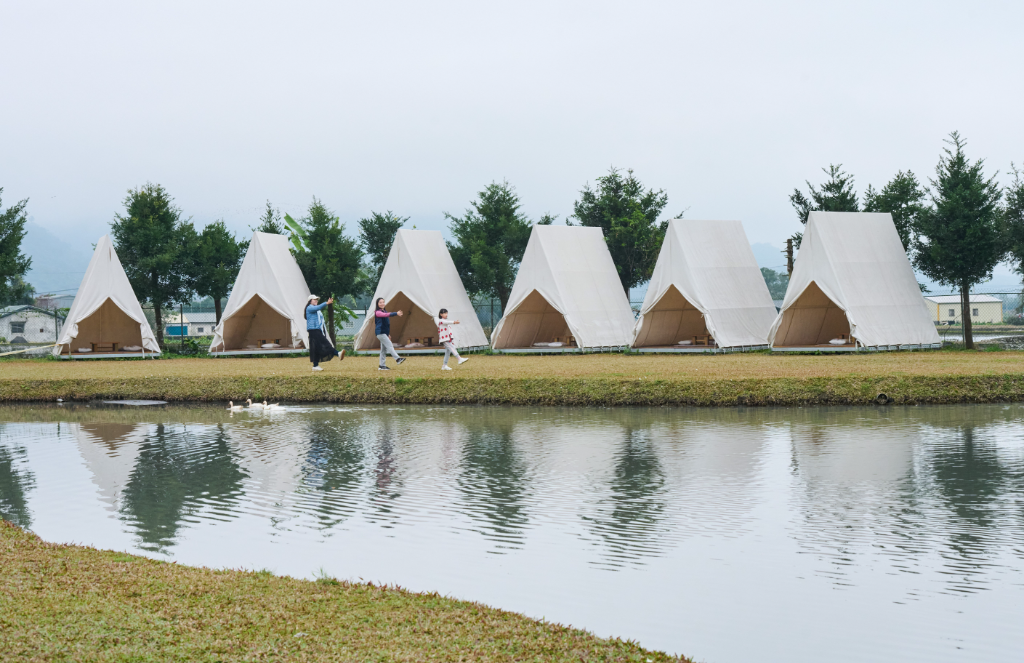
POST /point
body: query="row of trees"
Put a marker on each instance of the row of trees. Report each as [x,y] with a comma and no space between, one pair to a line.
[168,261]
[954,232]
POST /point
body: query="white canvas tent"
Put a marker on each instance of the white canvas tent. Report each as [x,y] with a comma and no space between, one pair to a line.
[566,286]
[267,302]
[419,279]
[106,316]
[852,281]
[706,283]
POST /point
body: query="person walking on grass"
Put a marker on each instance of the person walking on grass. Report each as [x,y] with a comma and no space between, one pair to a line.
[447,338]
[320,348]
[383,330]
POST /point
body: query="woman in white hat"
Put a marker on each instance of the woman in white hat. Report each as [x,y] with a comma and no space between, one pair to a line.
[320,347]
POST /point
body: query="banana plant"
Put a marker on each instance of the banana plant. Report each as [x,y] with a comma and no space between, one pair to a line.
[297,235]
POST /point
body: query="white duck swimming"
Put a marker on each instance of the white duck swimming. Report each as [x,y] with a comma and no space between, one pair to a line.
[234,408]
[272,406]
[255,406]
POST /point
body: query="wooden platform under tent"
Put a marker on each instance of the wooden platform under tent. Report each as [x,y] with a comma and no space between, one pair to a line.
[856,347]
[107,350]
[260,351]
[423,345]
[698,349]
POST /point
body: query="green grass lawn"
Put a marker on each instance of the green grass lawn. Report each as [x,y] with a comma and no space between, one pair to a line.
[71,603]
[598,379]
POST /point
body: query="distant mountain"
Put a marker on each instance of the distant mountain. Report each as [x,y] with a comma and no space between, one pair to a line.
[769,256]
[57,266]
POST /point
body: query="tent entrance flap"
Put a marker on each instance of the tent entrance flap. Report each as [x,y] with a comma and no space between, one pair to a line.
[535,320]
[253,322]
[672,319]
[413,323]
[107,324]
[813,319]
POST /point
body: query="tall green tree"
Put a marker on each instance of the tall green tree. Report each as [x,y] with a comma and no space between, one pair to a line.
[13,263]
[628,215]
[271,222]
[836,194]
[490,240]
[218,257]
[329,260]
[904,198]
[376,235]
[959,238]
[1013,219]
[777,282]
[156,247]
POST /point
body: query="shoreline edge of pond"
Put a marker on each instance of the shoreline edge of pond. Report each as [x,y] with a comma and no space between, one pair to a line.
[555,391]
[70,600]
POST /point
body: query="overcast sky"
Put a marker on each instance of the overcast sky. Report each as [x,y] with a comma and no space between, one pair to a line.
[414,107]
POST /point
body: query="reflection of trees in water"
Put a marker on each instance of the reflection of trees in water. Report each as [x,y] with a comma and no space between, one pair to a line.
[176,470]
[908,484]
[334,466]
[972,481]
[493,479]
[628,521]
[14,484]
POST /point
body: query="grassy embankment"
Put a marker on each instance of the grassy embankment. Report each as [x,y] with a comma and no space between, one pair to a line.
[603,380]
[64,602]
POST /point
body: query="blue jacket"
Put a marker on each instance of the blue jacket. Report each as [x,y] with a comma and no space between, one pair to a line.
[383,325]
[314,318]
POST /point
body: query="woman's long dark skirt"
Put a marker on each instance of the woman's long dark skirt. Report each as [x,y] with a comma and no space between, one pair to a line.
[320,349]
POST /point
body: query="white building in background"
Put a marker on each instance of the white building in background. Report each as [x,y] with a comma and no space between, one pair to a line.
[50,302]
[946,309]
[196,324]
[28,324]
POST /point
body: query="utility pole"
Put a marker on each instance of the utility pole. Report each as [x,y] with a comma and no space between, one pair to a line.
[181,325]
[789,256]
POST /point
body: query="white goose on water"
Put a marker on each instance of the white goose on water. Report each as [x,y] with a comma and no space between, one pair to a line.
[272,406]
[255,406]
[234,408]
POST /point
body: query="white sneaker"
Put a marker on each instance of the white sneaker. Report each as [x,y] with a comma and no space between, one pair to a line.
[463,360]
[317,368]
[446,368]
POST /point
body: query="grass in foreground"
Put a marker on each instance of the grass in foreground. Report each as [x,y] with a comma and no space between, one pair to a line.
[609,379]
[63,602]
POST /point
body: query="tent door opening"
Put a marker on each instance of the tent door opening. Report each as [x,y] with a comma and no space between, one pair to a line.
[813,320]
[415,323]
[533,321]
[256,323]
[671,320]
[108,329]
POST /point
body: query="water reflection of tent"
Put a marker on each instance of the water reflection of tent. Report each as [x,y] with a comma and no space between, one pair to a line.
[855,475]
[567,285]
[419,279]
[267,303]
[706,283]
[852,281]
[272,455]
[110,451]
[105,317]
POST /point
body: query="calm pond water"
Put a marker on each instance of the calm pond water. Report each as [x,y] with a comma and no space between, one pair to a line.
[839,534]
